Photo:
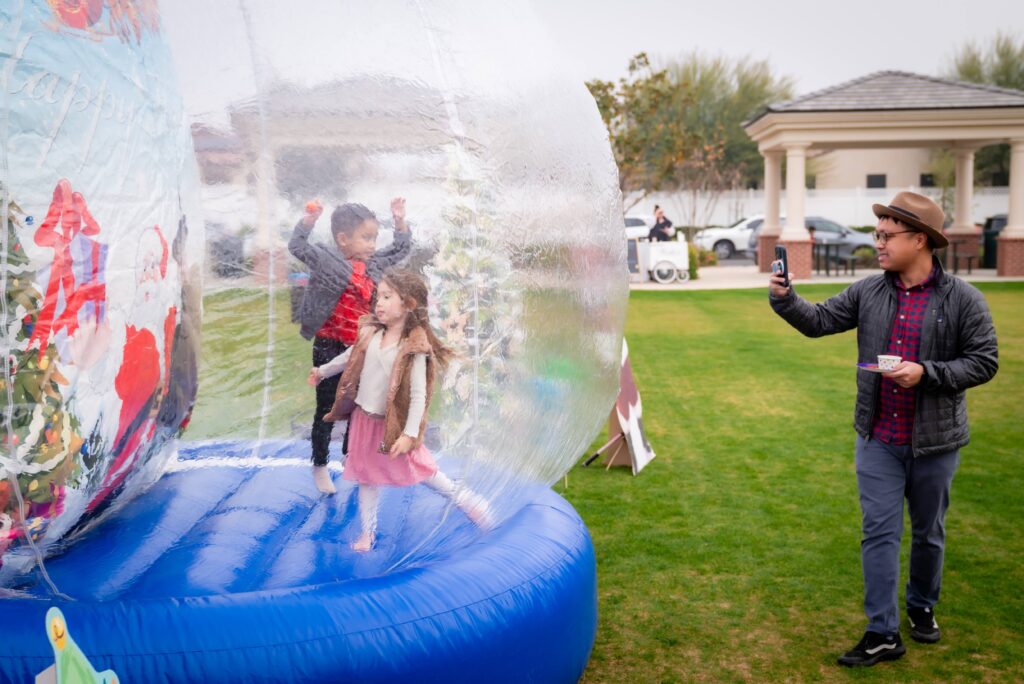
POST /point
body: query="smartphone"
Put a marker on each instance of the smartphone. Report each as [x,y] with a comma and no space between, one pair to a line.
[780,255]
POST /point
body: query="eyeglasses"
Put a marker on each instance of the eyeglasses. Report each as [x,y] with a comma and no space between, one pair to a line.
[882,238]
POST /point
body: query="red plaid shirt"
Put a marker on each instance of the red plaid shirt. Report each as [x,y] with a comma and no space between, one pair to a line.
[894,421]
[353,304]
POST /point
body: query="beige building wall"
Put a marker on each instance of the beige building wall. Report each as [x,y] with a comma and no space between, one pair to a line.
[845,169]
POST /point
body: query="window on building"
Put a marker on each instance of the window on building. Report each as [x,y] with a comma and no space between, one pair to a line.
[927,180]
[876,180]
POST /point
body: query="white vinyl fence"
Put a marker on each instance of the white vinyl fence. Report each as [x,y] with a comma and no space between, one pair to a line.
[850,207]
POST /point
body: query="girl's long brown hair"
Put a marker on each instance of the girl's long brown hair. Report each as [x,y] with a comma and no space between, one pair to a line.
[411,287]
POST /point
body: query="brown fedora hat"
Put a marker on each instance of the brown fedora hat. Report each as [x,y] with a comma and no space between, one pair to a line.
[917,211]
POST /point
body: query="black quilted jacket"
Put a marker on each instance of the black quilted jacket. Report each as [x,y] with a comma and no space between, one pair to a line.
[958,350]
[330,272]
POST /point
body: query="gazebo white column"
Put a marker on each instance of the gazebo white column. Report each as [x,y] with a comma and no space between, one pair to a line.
[770,229]
[962,229]
[1010,261]
[794,235]
[962,222]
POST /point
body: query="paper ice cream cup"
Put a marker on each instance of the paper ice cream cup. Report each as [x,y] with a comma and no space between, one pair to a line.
[886,362]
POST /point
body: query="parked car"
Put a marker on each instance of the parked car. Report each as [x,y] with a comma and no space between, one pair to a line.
[849,240]
[730,241]
[638,226]
[755,233]
[826,231]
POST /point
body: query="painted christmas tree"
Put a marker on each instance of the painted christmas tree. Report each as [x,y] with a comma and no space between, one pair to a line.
[40,438]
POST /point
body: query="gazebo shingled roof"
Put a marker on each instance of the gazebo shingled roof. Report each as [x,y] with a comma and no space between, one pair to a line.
[893,90]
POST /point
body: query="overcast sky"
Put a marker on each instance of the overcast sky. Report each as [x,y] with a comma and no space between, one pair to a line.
[817,42]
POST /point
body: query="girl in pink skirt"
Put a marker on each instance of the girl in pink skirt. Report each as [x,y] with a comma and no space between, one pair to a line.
[385,394]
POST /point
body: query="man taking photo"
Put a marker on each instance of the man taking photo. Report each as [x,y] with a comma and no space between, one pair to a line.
[911,421]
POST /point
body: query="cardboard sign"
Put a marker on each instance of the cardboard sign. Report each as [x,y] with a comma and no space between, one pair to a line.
[627,442]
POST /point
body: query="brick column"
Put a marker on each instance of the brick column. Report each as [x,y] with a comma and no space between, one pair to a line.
[766,251]
[801,257]
[261,263]
[1010,258]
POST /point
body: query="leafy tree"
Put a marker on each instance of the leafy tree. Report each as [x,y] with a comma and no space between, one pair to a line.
[999,63]
[642,112]
[721,94]
[678,128]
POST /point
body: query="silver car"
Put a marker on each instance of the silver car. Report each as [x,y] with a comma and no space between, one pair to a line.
[826,231]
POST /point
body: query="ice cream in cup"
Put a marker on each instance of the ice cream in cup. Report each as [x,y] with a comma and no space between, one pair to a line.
[887,363]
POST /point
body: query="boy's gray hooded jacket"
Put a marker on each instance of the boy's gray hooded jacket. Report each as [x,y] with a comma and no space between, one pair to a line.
[330,273]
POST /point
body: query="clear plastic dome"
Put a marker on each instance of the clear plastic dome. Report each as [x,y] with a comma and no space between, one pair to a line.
[466,111]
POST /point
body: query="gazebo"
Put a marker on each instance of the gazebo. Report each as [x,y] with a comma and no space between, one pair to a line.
[889,109]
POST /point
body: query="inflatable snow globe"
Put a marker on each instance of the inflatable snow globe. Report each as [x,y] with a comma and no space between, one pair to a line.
[185,187]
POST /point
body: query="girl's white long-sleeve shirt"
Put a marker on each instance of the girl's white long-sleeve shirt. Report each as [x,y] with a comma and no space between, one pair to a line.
[375,379]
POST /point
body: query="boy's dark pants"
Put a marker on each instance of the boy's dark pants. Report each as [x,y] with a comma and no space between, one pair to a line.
[325,349]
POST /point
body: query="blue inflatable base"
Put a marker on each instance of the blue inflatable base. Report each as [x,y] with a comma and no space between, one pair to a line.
[225,572]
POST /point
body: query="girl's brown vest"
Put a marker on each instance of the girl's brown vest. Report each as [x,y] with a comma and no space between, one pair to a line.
[399,389]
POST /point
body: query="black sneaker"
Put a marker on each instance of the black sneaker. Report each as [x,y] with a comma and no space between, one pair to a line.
[923,627]
[874,648]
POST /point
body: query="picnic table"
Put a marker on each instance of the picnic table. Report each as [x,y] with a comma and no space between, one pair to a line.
[826,255]
[953,260]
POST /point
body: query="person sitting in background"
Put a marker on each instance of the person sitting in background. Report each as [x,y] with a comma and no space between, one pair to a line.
[662,230]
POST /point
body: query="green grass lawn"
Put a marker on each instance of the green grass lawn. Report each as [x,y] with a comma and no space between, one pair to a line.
[735,555]
[234,354]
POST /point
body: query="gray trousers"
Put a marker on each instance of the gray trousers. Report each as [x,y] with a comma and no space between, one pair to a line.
[886,474]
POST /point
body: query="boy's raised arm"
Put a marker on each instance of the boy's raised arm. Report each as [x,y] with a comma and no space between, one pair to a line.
[299,245]
[396,251]
[402,244]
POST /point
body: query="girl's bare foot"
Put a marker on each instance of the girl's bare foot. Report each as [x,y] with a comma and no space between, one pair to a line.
[478,510]
[364,543]
[322,478]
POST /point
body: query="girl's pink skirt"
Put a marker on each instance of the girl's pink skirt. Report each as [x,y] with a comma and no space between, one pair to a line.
[366,465]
